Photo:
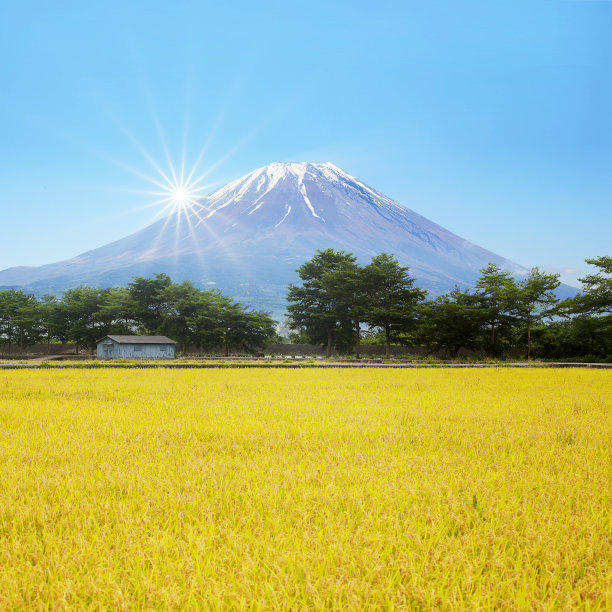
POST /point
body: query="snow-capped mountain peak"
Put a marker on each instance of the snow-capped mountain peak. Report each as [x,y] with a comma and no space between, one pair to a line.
[319,185]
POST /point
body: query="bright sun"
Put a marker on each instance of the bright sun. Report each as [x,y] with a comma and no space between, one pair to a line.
[181,195]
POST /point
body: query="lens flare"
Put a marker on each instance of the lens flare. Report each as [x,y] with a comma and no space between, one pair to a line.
[180,195]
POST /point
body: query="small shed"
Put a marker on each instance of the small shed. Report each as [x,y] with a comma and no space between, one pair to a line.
[136,347]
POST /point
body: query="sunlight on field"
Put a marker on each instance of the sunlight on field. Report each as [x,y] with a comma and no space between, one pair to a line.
[341,489]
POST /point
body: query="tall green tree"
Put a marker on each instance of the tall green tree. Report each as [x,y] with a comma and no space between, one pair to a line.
[52,323]
[27,323]
[182,302]
[246,329]
[579,337]
[589,332]
[451,322]
[119,311]
[205,322]
[596,297]
[81,309]
[493,289]
[218,321]
[150,300]
[18,319]
[346,286]
[392,297]
[312,307]
[533,300]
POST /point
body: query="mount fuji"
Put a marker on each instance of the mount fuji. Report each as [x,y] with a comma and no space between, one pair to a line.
[247,239]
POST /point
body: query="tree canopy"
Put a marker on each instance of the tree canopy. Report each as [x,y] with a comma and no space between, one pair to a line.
[317,307]
[596,297]
[338,295]
[392,298]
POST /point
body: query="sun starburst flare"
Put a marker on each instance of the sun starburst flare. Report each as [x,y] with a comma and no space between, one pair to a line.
[178,195]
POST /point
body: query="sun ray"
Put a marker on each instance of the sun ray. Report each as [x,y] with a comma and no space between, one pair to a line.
[141,149]
[201,154]
[224,157]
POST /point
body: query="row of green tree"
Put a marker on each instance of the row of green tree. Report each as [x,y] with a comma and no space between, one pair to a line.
[83,315]
[339,301]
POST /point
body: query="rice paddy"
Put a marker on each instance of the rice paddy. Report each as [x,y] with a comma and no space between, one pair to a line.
[277,489]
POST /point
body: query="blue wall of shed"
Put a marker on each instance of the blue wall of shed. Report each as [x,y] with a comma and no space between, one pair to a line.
[148,351]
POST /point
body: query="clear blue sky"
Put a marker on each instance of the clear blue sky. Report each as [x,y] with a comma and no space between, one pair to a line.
[492,118]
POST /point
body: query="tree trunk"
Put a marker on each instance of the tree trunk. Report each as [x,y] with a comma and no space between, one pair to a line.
[330,343]
[387,342]
[226,348]
[528,340]
[357,338]
[48,343]
[492,338]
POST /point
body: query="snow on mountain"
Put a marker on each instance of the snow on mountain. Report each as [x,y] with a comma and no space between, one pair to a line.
[248,237]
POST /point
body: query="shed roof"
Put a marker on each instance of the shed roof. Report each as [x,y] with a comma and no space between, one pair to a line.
[140,339]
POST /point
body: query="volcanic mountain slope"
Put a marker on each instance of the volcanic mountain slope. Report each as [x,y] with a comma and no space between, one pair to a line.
[248,237]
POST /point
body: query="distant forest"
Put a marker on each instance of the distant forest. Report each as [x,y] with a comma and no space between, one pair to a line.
[340,305]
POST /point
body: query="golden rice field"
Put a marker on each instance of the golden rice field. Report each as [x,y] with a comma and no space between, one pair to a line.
[306,489]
